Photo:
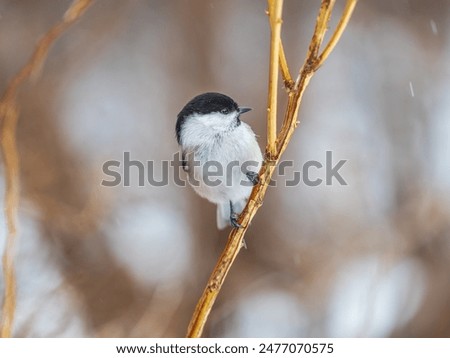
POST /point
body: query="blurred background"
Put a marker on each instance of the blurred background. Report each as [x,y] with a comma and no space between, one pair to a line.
[368,259]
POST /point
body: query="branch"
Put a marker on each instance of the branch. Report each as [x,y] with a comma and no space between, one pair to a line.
[275,12]
[345,18]
[321,26]
[287,78]
[8,120]
[228,256]
[312,63]
[255,201]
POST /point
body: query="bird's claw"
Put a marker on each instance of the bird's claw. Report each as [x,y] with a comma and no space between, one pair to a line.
[253,177]
[234,221]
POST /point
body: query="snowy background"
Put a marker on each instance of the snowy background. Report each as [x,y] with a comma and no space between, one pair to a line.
[370,259]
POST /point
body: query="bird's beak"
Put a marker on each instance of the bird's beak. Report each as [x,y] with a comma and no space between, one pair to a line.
[244,109]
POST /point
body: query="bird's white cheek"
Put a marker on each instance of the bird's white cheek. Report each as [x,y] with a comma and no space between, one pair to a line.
[201,129]
[217,121]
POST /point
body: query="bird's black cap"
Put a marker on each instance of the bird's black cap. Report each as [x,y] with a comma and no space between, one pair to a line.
[203,104]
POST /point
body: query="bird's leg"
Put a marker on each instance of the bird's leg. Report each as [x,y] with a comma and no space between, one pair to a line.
[253,177]
[234,217]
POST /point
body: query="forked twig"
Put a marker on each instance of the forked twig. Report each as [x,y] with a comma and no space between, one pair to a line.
[8,122]
[295,93]
[345,18]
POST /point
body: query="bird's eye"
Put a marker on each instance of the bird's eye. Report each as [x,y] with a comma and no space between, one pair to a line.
[224,111]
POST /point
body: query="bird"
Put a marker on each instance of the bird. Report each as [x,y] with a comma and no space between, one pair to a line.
[219,152]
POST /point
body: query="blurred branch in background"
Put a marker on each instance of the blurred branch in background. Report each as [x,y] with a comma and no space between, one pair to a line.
[8,121]
[312,63]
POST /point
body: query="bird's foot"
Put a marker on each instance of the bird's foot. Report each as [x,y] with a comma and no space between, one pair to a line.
[253,177]
[234,220]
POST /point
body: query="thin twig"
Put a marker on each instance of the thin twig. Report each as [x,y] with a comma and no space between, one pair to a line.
[275,13]
[255,201]
[8,122]
[322,25]
[348,11]
[319,33]
[286,74]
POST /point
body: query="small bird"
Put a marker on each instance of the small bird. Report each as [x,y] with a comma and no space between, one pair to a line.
[219,152]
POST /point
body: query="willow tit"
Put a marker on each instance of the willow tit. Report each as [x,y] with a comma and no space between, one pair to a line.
[211,135]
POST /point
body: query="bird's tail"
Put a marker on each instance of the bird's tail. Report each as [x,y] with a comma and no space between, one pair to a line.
[224,212]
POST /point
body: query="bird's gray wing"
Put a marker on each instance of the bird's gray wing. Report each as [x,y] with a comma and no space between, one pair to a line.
[184,162]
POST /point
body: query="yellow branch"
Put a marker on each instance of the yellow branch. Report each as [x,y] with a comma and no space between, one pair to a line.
[287,78]
[345,18]
[275,13]
[319,33]
[255,201]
